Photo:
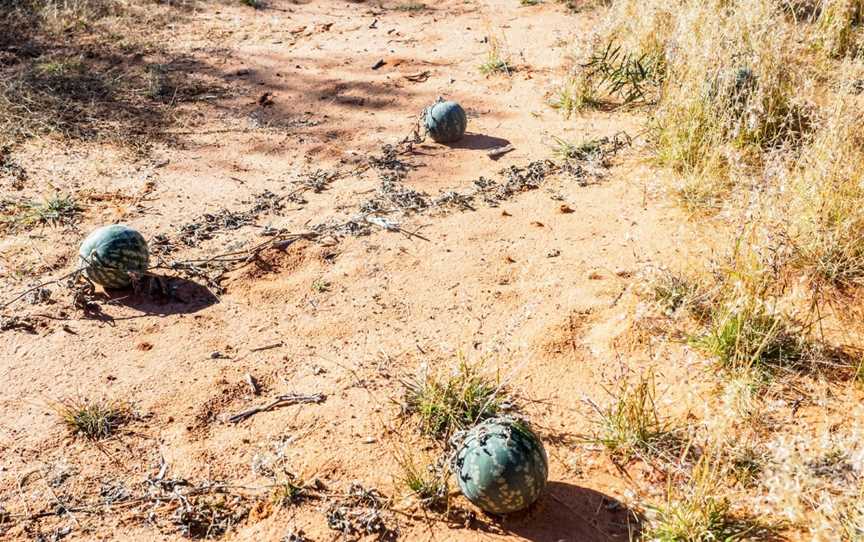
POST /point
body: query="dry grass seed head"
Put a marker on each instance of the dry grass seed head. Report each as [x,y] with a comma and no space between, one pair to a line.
[827,201]
[702,510]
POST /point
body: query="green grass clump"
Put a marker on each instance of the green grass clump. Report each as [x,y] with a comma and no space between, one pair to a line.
[452,402]
[752,337]
[91,419]
[567,150]
[631,426]
[627,76]
[57,210]
[429,485]
[576,94]
[287,492]
[674,291]
[320,286]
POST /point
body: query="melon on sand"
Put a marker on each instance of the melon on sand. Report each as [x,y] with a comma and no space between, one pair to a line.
[111,254]
[445,121]
[500,465]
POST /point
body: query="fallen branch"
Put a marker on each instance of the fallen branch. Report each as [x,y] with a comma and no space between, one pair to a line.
[280,401]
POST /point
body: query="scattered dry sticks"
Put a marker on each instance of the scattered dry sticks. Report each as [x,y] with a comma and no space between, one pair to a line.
[280,401]
[39,287]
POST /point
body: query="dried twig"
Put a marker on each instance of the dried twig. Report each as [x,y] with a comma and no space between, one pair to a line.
[280,401]
[40,286]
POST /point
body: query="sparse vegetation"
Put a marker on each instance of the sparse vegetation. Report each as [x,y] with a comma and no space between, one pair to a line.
[287,492]
[701,513]
[497,61]
[574,95]
[674,292]
[61,73]
[206,517]
[93,419]
[752,337]
[755,120]
[446,403]
[57,210]
[320,285]
[429,485]
[632,426]
[751,119]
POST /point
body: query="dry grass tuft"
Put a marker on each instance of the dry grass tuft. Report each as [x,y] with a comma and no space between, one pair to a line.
[497,59]
[827,201]
[446,403]
[428,484]
[93,419]
[631,425]
[700,511]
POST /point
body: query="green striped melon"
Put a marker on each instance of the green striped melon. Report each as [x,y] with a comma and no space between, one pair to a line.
[445,122]
[110,253]
[501,465]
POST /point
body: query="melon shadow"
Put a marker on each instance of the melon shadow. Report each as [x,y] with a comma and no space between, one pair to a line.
[479,142]
[164,295]
[571,513]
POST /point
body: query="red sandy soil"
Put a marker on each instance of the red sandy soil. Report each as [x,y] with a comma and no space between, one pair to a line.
[483,283]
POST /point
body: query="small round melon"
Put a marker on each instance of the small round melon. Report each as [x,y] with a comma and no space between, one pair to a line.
[501,465]
[445,122]
[111,253]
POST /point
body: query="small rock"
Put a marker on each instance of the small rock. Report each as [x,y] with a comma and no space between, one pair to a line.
[370,440]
